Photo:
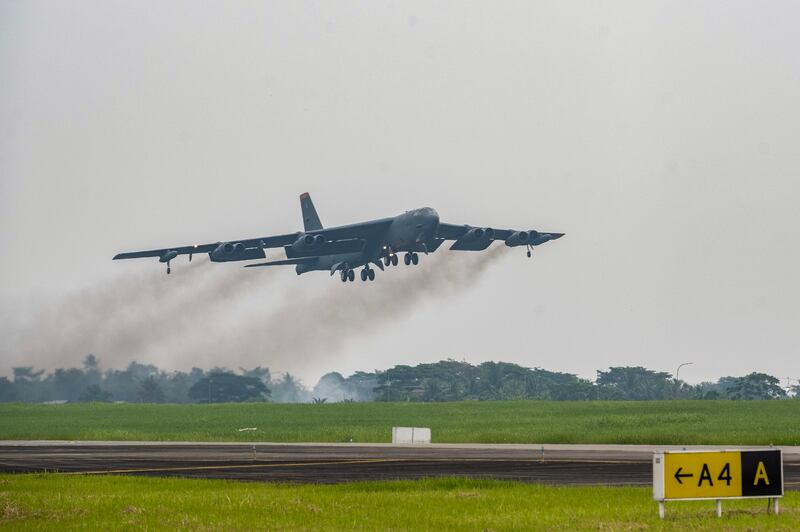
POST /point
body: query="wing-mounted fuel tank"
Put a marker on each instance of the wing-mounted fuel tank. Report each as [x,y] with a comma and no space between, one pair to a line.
[475,239]
[233,251]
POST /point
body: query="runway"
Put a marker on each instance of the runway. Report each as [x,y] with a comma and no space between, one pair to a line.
[611,465]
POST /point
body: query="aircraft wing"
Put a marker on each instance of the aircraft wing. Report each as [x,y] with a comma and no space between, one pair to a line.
[471,238]
[252,248]
[248,243]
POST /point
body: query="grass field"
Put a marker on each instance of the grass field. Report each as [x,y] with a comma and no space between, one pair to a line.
[656,422]
[107,503]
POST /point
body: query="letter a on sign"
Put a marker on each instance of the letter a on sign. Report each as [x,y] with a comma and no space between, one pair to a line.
[761,474]
[705,474]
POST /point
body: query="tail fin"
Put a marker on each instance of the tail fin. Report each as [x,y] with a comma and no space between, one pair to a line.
[310,218]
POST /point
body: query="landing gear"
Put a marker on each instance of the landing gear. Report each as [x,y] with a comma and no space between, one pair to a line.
[390,260]
[347,275]
[529,252]
[367,274]
[169,270]
[411,258]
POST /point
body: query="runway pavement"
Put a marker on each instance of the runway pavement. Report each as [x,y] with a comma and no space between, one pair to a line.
[332,463]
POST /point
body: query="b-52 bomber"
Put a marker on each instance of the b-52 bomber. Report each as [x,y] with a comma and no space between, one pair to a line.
[345,248]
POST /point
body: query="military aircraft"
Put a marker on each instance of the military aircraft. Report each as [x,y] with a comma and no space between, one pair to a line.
[345,248]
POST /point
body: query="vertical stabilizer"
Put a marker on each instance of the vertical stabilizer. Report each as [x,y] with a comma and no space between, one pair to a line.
[310,218]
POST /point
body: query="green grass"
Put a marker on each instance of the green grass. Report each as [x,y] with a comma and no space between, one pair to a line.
[109,503]
[656,422]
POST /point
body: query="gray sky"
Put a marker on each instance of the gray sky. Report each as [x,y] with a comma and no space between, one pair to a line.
[661,136]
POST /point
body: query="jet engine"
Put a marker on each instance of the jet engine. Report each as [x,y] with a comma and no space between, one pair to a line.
[519,238]
[227,251]
[475,239]
[478,234]
[306,243]
[233,251]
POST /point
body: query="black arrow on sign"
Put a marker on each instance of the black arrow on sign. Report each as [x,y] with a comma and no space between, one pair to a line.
[679,476]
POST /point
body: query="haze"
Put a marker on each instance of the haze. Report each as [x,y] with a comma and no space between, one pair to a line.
[660,136]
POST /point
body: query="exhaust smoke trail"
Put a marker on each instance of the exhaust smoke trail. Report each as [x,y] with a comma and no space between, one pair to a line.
[190,318]
[128,318]
[309,326]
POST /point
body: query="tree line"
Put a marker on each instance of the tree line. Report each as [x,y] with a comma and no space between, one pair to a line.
[446,380]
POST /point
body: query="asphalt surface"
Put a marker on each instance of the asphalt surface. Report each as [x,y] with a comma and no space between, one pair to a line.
[333,463]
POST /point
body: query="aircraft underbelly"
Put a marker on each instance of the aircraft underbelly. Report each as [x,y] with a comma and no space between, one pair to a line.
[326,262]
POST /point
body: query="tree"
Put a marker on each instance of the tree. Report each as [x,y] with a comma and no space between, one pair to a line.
[708,391]
[126,383]
[68,384]
[636,383]
[150,391]
[289,390]
[90,363]
[228,388]
[94,393]
[754,386]
[27,384]
[91,367]
[7,391]
[452,380]
[262,374]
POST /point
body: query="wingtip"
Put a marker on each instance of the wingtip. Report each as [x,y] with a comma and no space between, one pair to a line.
[304,195]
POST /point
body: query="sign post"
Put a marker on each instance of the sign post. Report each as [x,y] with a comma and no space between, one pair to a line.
[717,475]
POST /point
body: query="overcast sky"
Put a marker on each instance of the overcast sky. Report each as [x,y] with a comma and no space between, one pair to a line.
[662,137]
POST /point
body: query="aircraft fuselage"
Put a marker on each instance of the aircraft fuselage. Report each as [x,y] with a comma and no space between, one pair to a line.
[414,230]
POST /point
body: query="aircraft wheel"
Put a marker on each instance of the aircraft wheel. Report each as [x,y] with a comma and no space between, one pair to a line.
[371,274]
[415,258]
[529,253]
[387,261]
[394,260]
[351,275]
[407,259]
[364,275]
[343,275]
